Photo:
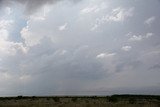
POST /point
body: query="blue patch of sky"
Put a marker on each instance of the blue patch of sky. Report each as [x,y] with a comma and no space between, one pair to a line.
[19,22]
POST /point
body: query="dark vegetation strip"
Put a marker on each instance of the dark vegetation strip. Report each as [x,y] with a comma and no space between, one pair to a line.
[125,96]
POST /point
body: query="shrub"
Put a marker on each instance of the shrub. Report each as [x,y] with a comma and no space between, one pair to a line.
[113,99]
[94,97]
[47,98]
[88,105]
[56,99]
[86,101]
[19,97]
[74,99]
[132,100]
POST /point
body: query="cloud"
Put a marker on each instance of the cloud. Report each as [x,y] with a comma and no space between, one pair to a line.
[8,10]
[140,37]
[105,55]
[118,14]
[94,27]
[63,27]
[31,38]
[149,35]
[25,77]
[150,20]
[136,38]
[31,6]
[6,46]
[89,9]
[5,23]
[126,48]
[11,48]
[36,50]
[93,8]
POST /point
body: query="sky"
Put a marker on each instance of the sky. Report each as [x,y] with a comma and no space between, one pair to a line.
[79,47]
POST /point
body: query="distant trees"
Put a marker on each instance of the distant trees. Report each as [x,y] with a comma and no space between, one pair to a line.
[74,99]
[113,99]
[56,99]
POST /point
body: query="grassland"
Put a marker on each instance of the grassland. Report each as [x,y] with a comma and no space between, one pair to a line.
[82,101]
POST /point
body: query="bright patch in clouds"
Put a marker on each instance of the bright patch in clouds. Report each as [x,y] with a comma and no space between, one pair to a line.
[140,37]
[63,27]
[94,8]
[126,48]
[136,38]
[25,77]
[6,46]
[119,14]
[89,9]
[150,20]
[105,55]
[149,35]
[5,75]
[8,10]
[27,35]
[4,24]
[116,15]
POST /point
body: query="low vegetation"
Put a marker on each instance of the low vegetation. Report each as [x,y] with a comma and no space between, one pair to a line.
[82,101]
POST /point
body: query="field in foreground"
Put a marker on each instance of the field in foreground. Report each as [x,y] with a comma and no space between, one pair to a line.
[82,101]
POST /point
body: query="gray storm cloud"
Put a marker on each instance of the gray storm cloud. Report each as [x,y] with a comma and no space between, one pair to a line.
[31,5]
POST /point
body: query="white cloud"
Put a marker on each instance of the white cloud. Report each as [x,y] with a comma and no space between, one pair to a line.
[37,18]
[139,37]
[5,75]
[4,27]
[25,78]
[150,20]
[63,52]
[3,34]
[136,38]
[8,10]
[8,47]
[19,47]
[34,31]
[88,9]
[63,27]
[30,38]
[11,48]
[105,55]
[126,48]
[102,55]
[94,8]
[108,61]
[149,35]
[4,24]
[119,14]
[94,27]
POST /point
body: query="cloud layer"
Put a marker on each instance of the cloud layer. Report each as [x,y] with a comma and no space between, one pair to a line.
[92,47]
[31,6]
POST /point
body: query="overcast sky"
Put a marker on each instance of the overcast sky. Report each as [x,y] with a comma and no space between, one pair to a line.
[79,47]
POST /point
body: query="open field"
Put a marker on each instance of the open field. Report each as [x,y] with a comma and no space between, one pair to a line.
[82,101]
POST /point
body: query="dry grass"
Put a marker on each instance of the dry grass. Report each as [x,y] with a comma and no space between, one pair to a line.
[113,101]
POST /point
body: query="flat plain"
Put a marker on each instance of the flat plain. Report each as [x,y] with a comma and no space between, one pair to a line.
[81,101]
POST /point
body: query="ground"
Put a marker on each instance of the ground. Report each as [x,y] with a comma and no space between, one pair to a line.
[82,101]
